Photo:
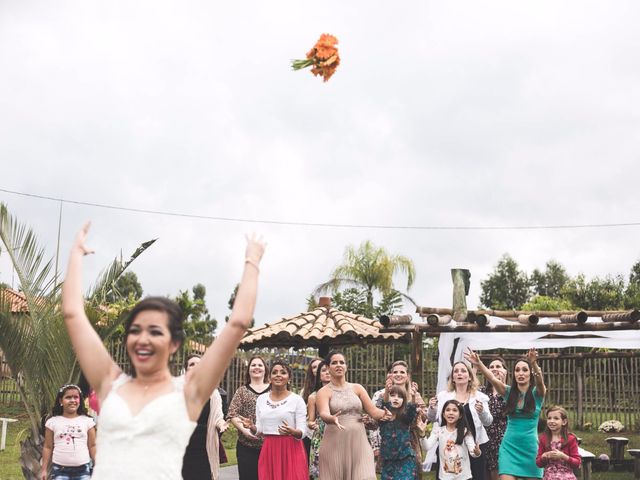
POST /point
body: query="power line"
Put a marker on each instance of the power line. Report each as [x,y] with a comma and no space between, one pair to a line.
[324,225]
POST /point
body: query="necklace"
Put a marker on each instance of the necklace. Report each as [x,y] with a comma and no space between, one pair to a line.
[276,404]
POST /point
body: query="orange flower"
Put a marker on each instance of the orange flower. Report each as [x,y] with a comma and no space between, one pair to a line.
[323,57]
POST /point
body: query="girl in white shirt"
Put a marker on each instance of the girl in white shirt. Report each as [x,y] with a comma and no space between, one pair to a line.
[69,438]
[281,416]
[455,443]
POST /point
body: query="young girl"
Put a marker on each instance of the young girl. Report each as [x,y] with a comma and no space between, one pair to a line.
[69,437]
[455,443]
[557,448]
[397,454]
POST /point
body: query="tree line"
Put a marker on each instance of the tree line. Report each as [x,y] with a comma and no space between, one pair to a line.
[553,288]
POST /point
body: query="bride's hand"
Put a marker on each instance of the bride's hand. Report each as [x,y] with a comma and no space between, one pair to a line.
[80,241]
[255,249]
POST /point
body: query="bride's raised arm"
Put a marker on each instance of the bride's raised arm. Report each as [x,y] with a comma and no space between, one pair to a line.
[218,356]
[95,361]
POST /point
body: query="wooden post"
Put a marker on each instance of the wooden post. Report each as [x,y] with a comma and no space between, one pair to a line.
[416,354]
[460,279]
[323,350]
[579,399]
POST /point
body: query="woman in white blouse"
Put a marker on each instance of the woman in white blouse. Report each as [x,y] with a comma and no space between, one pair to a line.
[281,416]
[463,387]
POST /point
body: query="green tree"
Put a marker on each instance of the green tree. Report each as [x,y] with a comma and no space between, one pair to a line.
[550,282]
[354,300]
[232,300]
[543,303]
[199,325]
[36,344]
[127,286]
[371,268]
[312,303]
[507,287]
[634,275]
[596,294]
[632,292]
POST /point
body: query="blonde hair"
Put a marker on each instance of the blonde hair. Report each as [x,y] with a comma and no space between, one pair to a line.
[472,386]
[407,384]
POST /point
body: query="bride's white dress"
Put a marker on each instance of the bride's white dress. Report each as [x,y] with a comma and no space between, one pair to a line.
[149,445]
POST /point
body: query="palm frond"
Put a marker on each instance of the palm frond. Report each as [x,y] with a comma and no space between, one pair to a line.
[107,280]
[335,284]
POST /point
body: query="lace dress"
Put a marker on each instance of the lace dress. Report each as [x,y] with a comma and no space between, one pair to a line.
[346,454]
[496,430]
[150,444]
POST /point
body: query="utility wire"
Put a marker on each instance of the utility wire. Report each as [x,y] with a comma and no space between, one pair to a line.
[324,225]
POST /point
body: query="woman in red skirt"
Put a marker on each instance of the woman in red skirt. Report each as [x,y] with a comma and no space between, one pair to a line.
[281,416]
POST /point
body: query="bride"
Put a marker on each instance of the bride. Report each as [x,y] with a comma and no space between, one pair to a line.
[146,419]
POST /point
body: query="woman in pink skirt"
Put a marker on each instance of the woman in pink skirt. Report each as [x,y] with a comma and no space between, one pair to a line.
[281,416]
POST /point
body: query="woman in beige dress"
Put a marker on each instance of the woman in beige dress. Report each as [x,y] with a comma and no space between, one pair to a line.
[345,452]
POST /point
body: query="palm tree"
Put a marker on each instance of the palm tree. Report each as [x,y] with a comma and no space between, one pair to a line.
[35,344]
[371,268]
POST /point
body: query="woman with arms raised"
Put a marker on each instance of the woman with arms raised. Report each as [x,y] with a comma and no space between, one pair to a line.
[524,397]
[146,419]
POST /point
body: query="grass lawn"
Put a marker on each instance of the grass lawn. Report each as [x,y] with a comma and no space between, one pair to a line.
[593,441]
[9,458]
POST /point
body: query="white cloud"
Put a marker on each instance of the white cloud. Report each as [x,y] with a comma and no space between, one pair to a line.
[450,113]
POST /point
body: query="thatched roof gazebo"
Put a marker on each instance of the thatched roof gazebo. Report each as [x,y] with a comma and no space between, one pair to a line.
[322,328]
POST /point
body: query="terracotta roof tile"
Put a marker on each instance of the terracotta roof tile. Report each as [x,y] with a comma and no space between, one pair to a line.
[17,301]
[324,325]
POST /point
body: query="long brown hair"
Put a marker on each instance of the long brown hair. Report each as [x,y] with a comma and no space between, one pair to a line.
[488,386]
[514,394]
[401,413]
[564,430]
[309,380]
[247,376]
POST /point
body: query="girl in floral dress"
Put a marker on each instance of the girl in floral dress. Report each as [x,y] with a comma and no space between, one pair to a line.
[497,405]
[558,448]
[397,454]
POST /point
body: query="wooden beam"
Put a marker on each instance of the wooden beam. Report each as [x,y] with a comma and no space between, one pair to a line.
[434,331]
[567,356]
[634,314]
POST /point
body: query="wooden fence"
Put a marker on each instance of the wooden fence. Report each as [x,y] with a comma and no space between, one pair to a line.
[594,387]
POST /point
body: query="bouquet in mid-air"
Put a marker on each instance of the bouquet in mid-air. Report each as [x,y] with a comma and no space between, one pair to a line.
[323,58]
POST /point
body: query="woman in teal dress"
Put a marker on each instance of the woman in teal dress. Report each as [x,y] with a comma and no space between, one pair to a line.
[524,399]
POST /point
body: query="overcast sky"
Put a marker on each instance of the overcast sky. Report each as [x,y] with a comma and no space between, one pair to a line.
[449,113]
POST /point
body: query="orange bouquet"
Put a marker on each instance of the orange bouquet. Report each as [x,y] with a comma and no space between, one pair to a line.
[323,58]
